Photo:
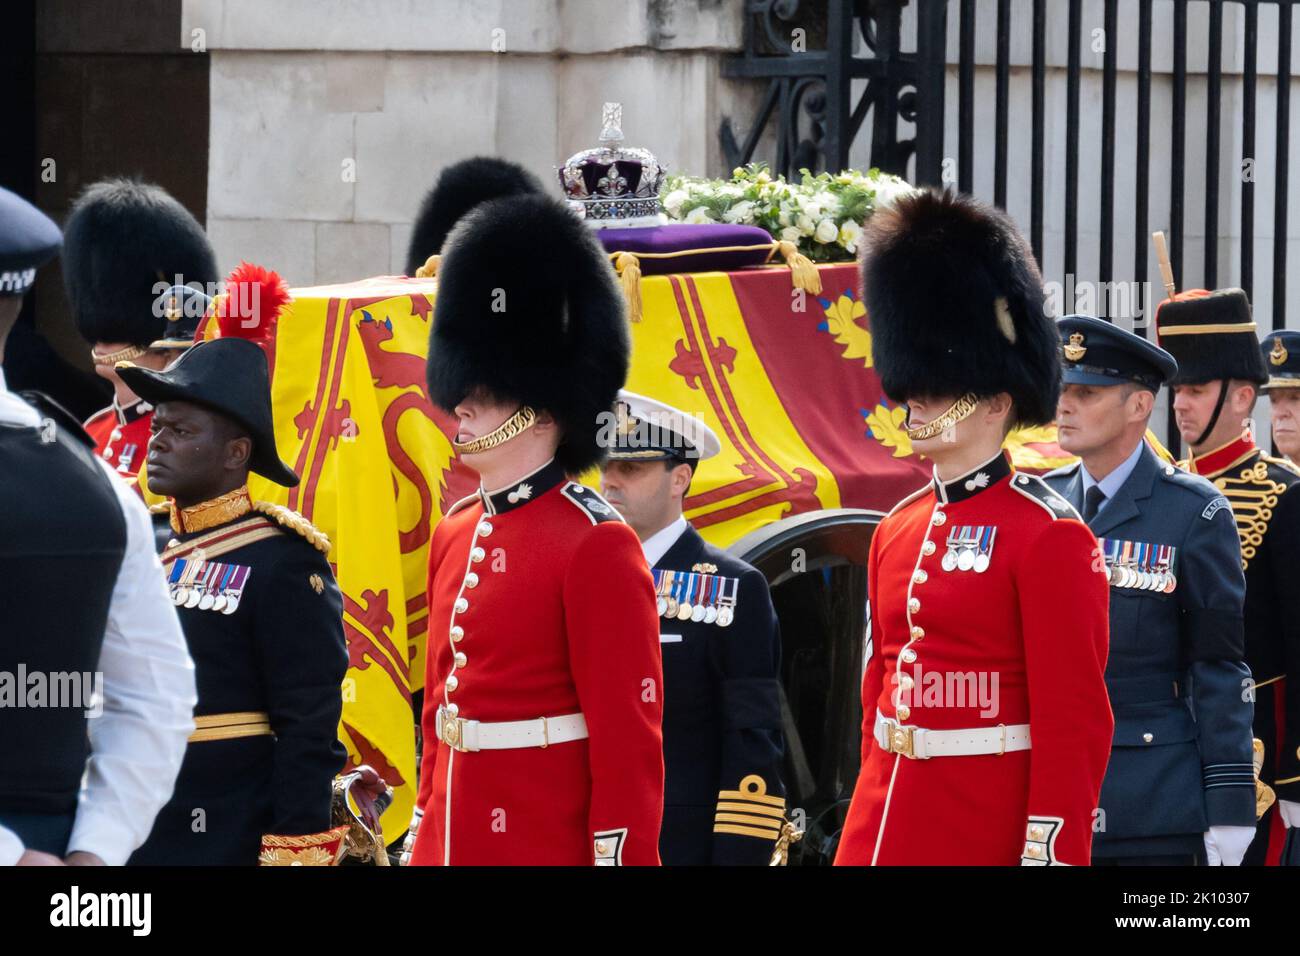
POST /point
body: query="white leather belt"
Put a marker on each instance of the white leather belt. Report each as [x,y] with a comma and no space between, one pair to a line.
[468,735]
[921,744]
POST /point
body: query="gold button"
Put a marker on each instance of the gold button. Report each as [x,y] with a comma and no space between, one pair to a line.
[918,633]
[1036,833]
[457,633]
[939,518]
[914,604]
[920,576]
[601,848]
[461,659]
[471,580]
[461,605]
[1148,737]
[909,655]
[477,555]
[928,547]
[1034,850]
[452,683]
[905,681]
[484,529]
[904,712]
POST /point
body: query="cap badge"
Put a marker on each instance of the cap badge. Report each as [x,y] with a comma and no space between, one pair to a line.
[1006,325]
[1279,354]
[1075,349]
[626,424]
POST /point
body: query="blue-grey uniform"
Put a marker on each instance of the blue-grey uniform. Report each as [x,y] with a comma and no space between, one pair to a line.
[724,801]
[1181,759]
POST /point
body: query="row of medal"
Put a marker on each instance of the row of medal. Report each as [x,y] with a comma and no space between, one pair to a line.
[207,585]
[970,548]
[688,596]
[1140,565]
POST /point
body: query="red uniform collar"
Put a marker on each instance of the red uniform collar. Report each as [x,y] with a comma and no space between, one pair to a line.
[974,481]
[528,488]
[1222,458]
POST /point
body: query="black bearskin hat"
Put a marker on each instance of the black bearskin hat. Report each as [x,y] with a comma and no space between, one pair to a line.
[461,187]
[1212,335]
[529,309]
[124,243]
[956,305]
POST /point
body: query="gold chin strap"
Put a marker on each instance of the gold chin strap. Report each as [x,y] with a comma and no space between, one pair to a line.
[121,355]
[516,424]
[958,410]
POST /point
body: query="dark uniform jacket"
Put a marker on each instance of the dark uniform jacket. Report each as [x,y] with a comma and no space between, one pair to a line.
[1181,758]
[723,797]
[280,652]
[1266,504]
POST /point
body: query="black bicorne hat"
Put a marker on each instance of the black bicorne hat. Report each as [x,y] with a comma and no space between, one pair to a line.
[956,305]
[529,309]
[230,377]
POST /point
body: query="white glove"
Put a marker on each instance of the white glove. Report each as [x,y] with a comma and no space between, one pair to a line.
[409,843]
[1226,846]
[1290,811]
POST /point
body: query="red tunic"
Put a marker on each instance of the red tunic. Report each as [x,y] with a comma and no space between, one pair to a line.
[557,617]
[121,437]
[1023,642]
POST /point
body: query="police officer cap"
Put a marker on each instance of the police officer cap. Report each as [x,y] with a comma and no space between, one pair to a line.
[28,240]
[1097,352]
[647,430]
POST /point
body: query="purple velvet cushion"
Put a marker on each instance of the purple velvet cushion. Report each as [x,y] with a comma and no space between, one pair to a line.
[695,246]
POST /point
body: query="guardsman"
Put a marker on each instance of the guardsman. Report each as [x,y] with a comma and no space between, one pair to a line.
[724,802]
[258,602]
[543,686]
[1180,786]
[126,244]
[1221,371]
[985,721]
[1282,353]
[81,595]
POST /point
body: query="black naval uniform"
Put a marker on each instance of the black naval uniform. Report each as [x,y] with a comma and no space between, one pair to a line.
[266,750]
[724,801]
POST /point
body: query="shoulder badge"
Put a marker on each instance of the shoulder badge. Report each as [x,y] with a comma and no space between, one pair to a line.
[1214,507]
[1041,493]
[590,503]
[292,521]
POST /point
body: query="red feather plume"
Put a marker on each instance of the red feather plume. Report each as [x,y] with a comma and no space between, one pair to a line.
[254,298]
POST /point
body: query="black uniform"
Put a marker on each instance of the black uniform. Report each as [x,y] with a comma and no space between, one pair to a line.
[724,801]
[281,652]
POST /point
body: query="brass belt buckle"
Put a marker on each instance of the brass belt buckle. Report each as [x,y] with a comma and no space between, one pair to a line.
[902,740]
[452,734]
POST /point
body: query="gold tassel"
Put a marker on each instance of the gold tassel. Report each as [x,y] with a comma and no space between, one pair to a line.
[802,270]
[430,268]
[629,272]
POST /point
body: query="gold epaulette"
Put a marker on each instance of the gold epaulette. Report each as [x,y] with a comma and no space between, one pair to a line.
[291,520]
[161,508]
[1284,463]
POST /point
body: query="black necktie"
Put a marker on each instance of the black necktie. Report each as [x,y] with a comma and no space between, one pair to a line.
[1092,503]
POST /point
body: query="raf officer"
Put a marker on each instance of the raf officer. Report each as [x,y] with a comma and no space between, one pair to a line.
[1176,783]
[1282,352]
[723,798]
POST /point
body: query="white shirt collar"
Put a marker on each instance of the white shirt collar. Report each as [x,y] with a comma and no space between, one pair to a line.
[1113,482]
[657,545]
[13,410]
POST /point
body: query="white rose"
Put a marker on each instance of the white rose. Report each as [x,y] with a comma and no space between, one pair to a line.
[673,202]
[805,224]
[741,212]
[826,231]
[698,215]
[850,233]
[791,234]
